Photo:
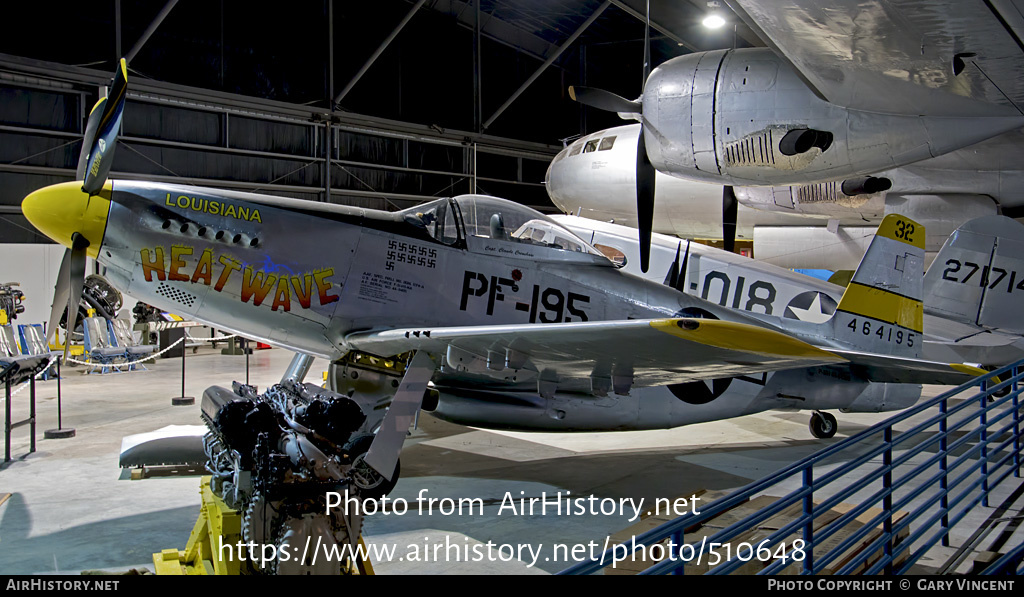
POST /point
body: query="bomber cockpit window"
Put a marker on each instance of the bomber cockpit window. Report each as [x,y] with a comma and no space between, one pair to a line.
[606,143]
[546,234]
[437,218]
[576,148]
[591,146]
[498,219]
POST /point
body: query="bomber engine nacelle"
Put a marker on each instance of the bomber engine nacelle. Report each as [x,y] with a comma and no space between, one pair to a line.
[745,117]
[861,195]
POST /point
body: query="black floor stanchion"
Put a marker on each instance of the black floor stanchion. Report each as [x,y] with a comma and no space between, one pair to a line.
[183,400]
[16,373]
[245,348]
[60,432]
[32,411]
[7,419]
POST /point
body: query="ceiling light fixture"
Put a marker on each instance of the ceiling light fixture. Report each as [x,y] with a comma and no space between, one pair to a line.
[713,21]
[714,18]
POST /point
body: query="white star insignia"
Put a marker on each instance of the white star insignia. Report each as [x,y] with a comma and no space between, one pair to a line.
[813,313]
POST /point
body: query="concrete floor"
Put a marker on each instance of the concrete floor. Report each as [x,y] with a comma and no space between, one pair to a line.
[72,508]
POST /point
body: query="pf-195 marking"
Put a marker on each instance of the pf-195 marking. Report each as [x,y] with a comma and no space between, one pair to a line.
[550,305]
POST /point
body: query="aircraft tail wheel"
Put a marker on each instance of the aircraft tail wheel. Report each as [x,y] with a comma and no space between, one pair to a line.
[372,485]
[823,425]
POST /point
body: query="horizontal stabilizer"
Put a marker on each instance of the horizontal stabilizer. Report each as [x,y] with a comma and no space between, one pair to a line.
[895,369]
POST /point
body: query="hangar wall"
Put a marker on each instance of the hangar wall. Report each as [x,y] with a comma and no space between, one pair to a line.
[34,267]
[242,143]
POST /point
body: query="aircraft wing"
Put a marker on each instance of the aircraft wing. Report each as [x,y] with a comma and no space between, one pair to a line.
[645,352]
[934,57]
[884,368]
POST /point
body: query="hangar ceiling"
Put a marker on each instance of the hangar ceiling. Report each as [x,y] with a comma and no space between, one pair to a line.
[404,99]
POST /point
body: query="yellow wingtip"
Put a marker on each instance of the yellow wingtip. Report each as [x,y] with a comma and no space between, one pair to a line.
[741,336]
[974,372]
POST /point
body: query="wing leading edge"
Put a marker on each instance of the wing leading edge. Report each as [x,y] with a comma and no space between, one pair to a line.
[937,57]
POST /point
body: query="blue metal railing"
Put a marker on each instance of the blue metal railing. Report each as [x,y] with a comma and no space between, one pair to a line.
[1009,563]
[976,444]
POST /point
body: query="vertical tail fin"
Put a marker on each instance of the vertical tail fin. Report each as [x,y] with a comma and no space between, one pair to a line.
[882,310]
[978,275]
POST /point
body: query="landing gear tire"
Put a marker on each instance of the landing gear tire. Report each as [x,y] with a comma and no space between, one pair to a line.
[823,425]
[371,484]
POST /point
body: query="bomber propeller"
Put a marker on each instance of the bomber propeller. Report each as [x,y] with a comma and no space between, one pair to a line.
[645,171]
[729,209]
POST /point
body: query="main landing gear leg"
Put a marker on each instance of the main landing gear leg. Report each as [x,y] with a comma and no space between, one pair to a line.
[382,456]
[823,425]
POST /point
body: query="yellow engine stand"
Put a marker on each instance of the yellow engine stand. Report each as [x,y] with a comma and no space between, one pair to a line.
[75,350]
[217,525]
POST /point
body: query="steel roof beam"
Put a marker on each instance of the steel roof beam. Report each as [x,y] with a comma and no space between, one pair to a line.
[639,16]
[497,30]
[150,30]
[380,50]
[547,63]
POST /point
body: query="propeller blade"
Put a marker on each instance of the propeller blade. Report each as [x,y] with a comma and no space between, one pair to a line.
[645,174]
[647,46]
[60,296]
[729,208]
[76,280]
[101,149]
[89,137]
[603,100]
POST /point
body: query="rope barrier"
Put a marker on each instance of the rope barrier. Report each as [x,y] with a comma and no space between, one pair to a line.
[54,358]
[117,365]
[148,358]
[155,354]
